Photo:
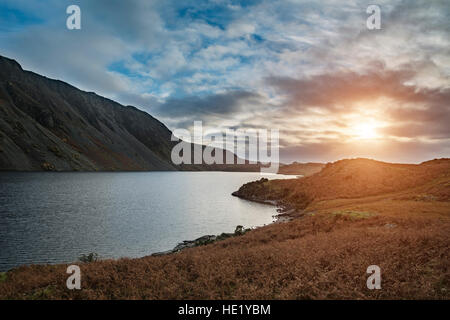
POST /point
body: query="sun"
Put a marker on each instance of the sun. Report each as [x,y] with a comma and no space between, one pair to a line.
[365,131]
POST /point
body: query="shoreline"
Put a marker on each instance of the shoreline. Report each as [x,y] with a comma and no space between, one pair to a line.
[355,214]
[284,215]
[285,212]
[169,242]
[170,246]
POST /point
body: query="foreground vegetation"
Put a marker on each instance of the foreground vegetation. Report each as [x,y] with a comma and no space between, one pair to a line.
[393,216]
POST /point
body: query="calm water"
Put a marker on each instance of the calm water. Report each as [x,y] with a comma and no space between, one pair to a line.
[56,217]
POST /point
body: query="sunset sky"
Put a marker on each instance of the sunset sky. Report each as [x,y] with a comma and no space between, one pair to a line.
[313,70]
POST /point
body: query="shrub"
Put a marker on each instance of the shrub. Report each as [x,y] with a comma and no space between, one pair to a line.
[91,257]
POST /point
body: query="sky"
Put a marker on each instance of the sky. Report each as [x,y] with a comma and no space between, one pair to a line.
[311,69]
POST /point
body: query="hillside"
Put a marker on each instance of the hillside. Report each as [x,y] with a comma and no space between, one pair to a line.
[391,215]
[304,169]
[48,124]
[350,178]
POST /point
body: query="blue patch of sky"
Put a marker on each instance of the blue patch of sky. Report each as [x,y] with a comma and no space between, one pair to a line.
[13,19]
[217,17]
[215,14]
[257,38]
[142,57]
[120,67]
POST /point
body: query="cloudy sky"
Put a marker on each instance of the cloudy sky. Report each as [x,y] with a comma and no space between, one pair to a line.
[311,69]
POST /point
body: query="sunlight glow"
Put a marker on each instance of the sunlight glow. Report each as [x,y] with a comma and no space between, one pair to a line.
[365,130]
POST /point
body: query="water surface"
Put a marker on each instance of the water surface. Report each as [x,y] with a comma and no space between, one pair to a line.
[49,217]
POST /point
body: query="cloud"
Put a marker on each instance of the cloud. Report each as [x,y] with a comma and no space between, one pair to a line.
[397,151]
[329,90]
[217,104]
[311,69]
[412,111]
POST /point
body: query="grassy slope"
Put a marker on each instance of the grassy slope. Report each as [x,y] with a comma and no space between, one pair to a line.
[304,169]
[403,228]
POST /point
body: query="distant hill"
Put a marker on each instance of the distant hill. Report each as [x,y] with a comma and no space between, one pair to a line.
[354,178]
[48,124]
[304,169]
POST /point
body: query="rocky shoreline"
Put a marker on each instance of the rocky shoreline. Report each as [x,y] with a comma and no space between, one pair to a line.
[204,240]
[285,214]
[254,191]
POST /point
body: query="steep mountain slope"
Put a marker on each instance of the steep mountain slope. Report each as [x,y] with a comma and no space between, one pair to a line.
[47,124]
[51,125]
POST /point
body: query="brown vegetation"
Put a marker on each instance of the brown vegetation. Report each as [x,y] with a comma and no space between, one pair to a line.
[393,216]
[304,169]
[354,178]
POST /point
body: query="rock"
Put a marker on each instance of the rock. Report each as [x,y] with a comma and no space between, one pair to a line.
[224,236]
[204,240]
[162,253]
[239,230]
[195,243]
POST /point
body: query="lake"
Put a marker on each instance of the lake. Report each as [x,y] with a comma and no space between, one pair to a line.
[54,217]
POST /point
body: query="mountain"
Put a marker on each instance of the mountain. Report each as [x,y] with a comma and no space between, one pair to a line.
[48,124]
